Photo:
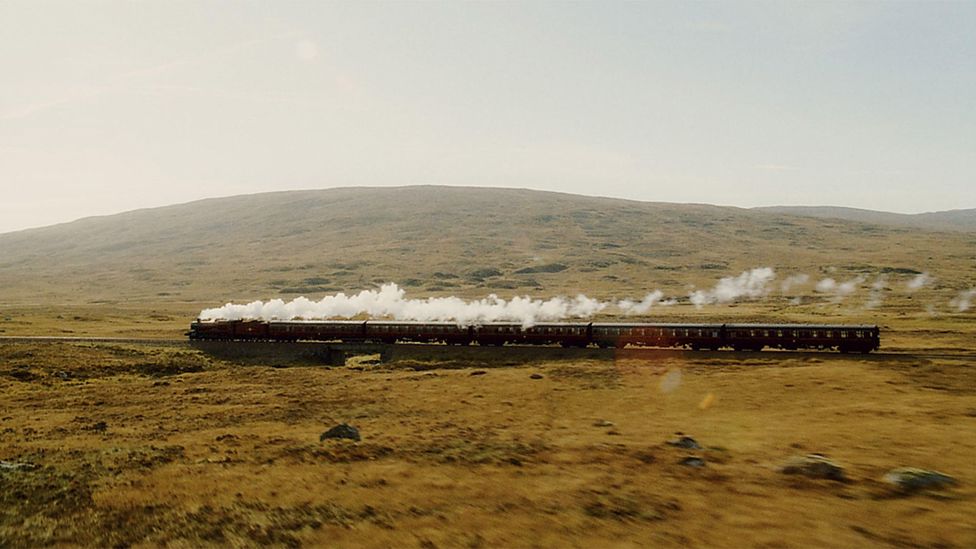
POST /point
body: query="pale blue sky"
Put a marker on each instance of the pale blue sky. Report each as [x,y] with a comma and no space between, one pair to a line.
[110,106]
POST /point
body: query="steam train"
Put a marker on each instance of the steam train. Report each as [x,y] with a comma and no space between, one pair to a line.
[739,337]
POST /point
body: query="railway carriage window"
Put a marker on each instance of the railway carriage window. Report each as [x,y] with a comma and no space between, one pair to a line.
[779,333]
[843,334]
[796,333]
[858,333]
[830,333]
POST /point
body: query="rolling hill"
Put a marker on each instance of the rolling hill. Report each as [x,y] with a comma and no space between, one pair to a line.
[951,220]
[442,240]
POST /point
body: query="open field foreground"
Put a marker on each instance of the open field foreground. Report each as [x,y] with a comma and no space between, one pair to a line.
[124,445]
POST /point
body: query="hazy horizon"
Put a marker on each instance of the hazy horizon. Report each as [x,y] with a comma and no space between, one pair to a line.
[111,106]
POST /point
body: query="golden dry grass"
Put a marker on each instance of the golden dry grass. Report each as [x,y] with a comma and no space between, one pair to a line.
[196,451]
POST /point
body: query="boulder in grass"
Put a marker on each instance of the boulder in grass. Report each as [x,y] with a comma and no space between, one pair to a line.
[342,430]
[685,442]
[814,466]
[911,479]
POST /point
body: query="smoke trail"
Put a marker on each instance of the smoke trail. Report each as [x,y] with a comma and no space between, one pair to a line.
[792,281]
[964,300]
[839,290]
[827,285]
[652,299]
[876,297]
[918,282]
[750,284]
[390,302]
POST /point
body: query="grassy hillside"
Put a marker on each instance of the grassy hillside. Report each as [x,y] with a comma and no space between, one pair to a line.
[951,220]
[439,241]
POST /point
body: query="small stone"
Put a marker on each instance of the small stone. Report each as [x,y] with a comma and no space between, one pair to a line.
[479,372]
[692,461]
[99,427]
[814,466]
[685,442]
[536,376]
[341,431]
[910,479]
[603,423]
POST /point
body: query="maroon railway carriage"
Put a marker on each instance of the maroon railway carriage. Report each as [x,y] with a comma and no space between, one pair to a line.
[740,337]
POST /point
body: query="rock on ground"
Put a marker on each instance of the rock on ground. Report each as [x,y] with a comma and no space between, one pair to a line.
[341,431]
[814,466]
[685,442]
[910,479]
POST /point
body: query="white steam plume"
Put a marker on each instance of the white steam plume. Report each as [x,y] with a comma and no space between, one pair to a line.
[918,282]
[389,302]
[750,284]
[964,300]
[652,299]
[876,297]
[792,281]
[839,290]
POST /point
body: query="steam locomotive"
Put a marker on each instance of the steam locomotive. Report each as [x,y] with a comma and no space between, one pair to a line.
[739,337]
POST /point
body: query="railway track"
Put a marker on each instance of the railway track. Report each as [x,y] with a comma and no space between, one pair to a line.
[80,339]
[630,352]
